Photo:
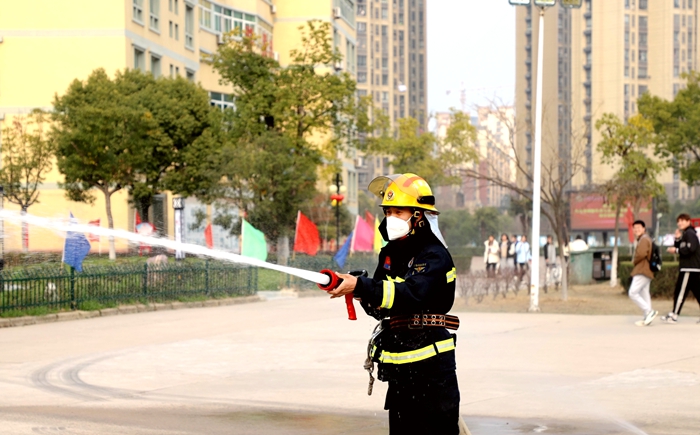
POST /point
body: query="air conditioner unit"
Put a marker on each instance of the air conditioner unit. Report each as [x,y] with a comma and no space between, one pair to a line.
[336,13]
[273,9]
[276,56]
[220,39]
[359,162]
[338,65]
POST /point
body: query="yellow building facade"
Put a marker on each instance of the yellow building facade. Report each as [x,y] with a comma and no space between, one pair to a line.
[44,45]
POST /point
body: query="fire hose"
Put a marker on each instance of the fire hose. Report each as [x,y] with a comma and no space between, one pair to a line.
[334,281]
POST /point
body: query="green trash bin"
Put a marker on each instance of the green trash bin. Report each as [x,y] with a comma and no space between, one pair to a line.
[581,268]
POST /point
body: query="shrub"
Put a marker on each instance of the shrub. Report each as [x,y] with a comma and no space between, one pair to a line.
[663,284]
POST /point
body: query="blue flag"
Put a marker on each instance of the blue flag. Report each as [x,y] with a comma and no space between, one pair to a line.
[75,249]
[342,254]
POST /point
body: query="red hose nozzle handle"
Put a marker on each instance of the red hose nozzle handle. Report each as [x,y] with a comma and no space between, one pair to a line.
[334,283]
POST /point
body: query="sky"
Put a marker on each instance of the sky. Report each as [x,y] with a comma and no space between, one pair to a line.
[470,42]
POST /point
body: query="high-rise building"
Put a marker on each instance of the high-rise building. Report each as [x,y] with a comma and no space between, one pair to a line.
[601,59]
[496,158]
[392,64]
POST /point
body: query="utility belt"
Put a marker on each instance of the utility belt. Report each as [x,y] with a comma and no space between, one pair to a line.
[420,321]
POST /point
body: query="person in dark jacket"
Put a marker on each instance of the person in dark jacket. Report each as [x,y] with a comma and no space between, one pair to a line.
[411,293]
[686,246]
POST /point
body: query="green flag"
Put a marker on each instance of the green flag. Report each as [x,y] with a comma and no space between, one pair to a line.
[253,242]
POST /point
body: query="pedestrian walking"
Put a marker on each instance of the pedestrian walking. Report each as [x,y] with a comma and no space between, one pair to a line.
[491,256]
[642,274]
[686,246]
[411,292]
[523,257]
[511,250]
[505,253]
[550,261]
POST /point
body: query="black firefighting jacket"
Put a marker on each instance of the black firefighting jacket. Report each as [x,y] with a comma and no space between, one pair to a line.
[415,275]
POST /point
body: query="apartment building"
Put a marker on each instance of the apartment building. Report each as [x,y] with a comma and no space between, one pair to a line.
[496,150]
[601,59]
[392,65]
[44,45]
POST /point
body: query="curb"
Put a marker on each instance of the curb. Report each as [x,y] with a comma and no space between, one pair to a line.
[8,322]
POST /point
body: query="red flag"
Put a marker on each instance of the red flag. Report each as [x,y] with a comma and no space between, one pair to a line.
[629,220]
[209,237]
[306,238]
[94,237]
[369,218]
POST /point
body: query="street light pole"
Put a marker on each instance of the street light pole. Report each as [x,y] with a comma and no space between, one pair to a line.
[337,214]
[537,157]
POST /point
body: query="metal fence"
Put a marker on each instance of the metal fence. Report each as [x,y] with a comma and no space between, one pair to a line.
[57,288]
[319,262]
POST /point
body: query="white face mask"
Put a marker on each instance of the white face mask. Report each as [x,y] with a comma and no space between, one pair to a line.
[397,227]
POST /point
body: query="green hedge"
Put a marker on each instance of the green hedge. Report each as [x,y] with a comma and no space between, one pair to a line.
[663,284]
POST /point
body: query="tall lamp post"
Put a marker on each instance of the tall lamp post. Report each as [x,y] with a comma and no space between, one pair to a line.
[537,157]
[337,198]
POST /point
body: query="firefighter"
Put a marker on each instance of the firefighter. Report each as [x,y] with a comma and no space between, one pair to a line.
[411,293]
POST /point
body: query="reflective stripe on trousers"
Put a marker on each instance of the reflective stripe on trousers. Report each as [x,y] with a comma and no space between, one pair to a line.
[416,355]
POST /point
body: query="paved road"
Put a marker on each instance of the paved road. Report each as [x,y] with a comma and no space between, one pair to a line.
[294,366]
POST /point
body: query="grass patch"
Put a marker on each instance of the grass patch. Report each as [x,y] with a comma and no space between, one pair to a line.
[271,279]
[32,311]
[196,298]
[90,306]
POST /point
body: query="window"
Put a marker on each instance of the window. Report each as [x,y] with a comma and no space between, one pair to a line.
[138,11]
[170,29]
[170,5]
[643,4]
[676,4]
[222,101]
[643,22]
[385,79]
[362,61]
[154,8]
[642,90]
[643,56]
[176,7]
[139,59]
[189,74]
[155,66]
[177,32]
[642,73]
[177,71]
[189,26]
[362,77]
[642,39]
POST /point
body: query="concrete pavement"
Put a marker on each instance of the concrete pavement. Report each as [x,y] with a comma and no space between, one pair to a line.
[294,366]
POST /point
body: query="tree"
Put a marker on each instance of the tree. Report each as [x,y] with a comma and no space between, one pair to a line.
[139,133]
[677,125]
[185,145]
[27,156]
[558,172]
[626,145]
[423,153]
[101,137]
[286,122]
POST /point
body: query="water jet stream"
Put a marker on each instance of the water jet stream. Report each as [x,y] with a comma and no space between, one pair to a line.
[65,225]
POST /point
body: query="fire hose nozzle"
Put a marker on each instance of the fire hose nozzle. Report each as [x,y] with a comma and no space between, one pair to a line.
[334,281]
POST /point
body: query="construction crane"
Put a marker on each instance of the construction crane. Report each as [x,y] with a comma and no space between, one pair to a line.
[462,95]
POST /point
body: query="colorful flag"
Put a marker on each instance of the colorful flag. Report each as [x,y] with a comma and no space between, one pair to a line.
[253,242]
[363,240]
[342,254]
[91,236]
[75,249]
[306,238]
[209,236]
[379,241]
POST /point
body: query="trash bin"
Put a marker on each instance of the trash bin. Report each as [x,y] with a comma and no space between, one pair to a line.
[581,267]
[602,264]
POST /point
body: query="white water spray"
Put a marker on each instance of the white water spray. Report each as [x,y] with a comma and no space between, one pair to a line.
[64,225]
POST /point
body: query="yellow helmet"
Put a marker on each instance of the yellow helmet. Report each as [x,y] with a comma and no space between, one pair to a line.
[403,190]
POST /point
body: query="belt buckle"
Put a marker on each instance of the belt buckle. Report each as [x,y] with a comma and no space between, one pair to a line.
[415,322]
